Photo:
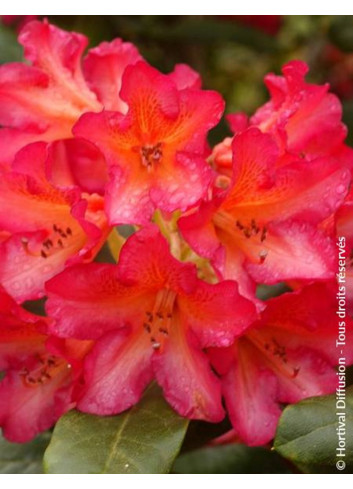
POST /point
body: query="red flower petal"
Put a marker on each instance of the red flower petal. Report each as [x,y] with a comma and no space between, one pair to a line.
[116,373]
[104,67]
[217,313]
[188,384]
[26,411]
[250,392]
[157,149]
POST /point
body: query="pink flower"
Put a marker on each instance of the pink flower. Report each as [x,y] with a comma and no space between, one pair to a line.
[156,151]
[43,100]
[38,384]
[286,356]
[150,317]
[264,227]
[304,119]
[46,227]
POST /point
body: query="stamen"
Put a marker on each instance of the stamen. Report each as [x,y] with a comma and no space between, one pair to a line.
[46,369]
[263,254]
[159,322]
[274,353]
[150,155]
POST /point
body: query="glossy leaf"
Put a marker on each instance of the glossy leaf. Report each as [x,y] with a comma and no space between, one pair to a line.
[307,434]
[231,459]
[144,440]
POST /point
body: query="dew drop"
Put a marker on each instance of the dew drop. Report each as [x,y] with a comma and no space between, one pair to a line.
[340,189]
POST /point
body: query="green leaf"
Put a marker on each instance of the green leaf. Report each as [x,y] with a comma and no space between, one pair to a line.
[10,50]
[23,458]
[231,459]
[307,434]
[144,440]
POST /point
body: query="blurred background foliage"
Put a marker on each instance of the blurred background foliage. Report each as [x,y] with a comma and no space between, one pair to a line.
[232,54]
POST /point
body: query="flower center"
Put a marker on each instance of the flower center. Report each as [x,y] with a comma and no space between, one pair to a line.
[275,354]
[48,366]
[151,155]
[58,239]
[159,321]
[239,229]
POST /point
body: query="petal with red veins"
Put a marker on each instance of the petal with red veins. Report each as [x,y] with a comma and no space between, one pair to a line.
[40,204]
[217,313]
[185,376]
[297,189]
[163,134]
[145,260]
[254,161]
[28,259]
[95,302]
[116,373]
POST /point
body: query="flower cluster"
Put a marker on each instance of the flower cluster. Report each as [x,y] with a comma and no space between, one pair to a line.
[88,145]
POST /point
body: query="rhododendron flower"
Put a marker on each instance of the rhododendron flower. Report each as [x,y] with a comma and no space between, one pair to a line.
[42,101]
[38,384]
[150,317]
[308,116]
[156,152]
[263,228]
[287,355]
[46,227]
[304,119]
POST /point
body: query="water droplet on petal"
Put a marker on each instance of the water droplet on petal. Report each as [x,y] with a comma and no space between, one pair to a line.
[340,189]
